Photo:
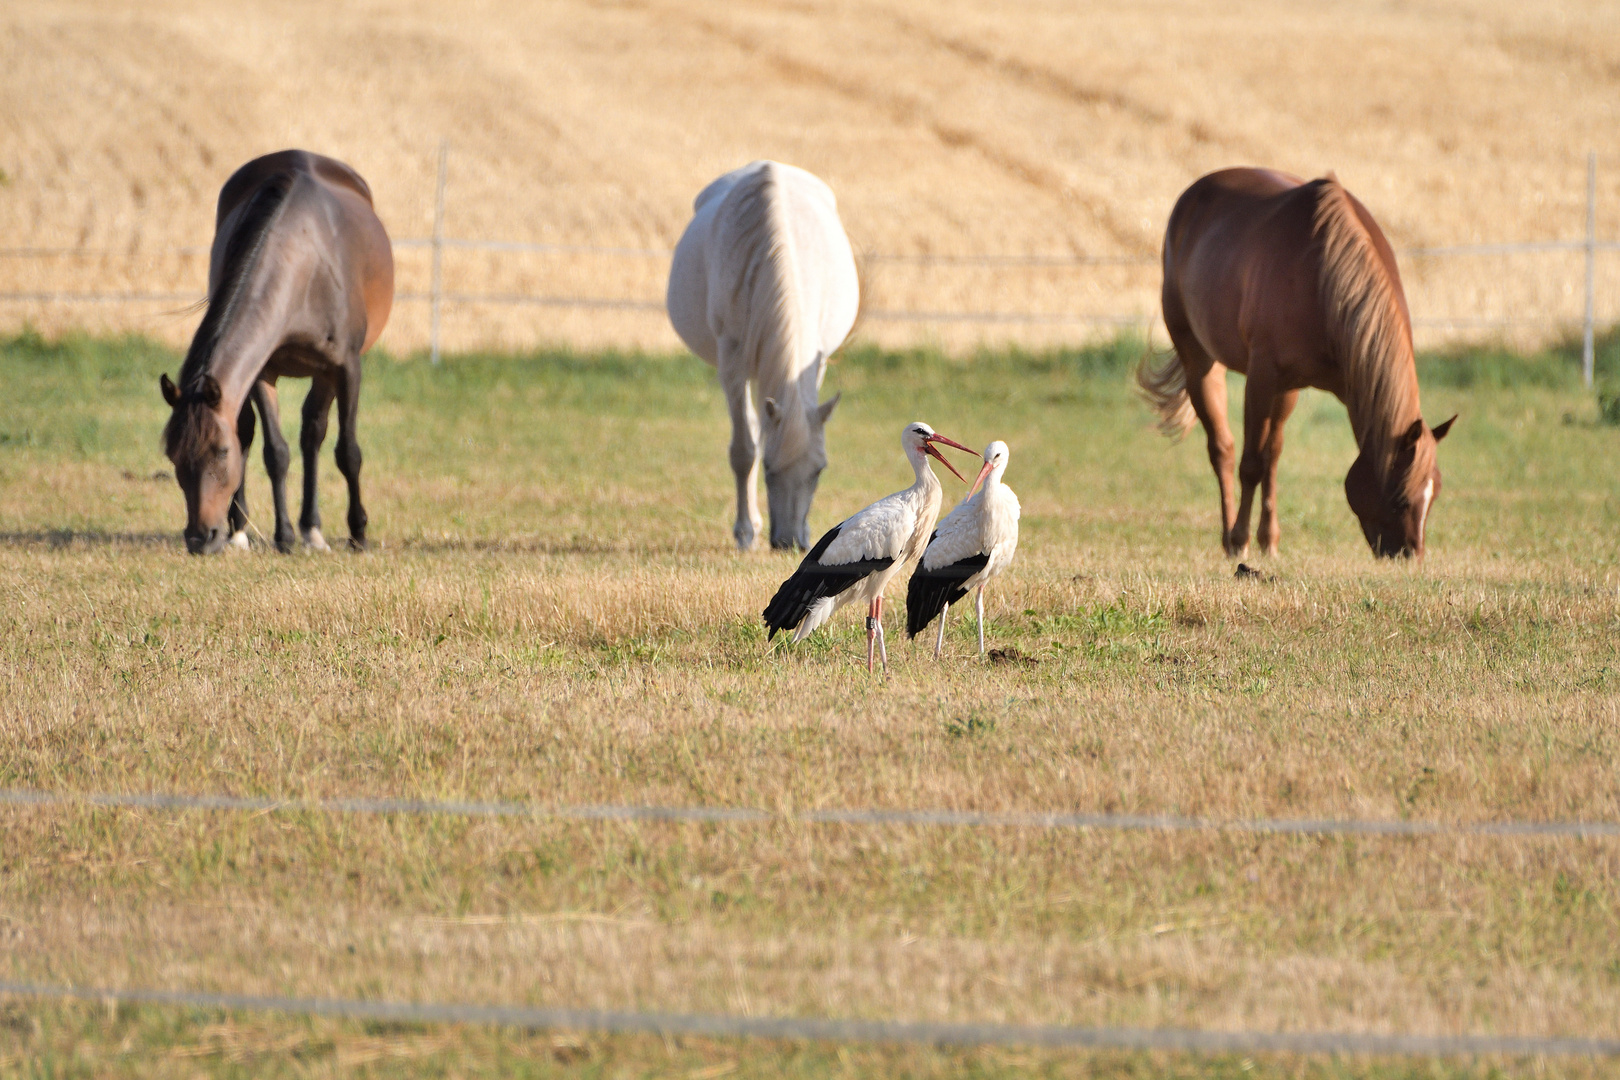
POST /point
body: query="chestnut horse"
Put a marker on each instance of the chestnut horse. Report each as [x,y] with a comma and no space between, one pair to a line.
[300,283]
[1294,285]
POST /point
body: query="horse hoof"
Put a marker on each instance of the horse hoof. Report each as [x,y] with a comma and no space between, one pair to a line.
[358,545]
[314,541]
[239,540]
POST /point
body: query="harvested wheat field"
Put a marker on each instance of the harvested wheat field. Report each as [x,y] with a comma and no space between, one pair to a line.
[552,615]
[961,128]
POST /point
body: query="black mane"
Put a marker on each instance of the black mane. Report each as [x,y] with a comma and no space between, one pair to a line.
[241,256]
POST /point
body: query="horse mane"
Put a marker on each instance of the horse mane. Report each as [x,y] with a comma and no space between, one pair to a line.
[182,435]
[759,236]
[1368,326]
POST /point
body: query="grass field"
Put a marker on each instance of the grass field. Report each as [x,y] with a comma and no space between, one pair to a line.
[960,127]
[552,613]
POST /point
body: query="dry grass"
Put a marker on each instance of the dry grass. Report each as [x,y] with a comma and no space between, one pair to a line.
[553,615]
[953,128]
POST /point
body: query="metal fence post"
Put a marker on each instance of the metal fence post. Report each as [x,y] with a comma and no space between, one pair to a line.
[1588,357]
[438,247]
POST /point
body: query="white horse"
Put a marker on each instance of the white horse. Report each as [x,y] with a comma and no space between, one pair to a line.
[764,287]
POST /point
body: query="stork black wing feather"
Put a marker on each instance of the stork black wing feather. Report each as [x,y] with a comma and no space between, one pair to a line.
[813,581]
[930,590]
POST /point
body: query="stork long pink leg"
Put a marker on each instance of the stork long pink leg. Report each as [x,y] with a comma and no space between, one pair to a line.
[883,648]
[872,625]
[981,620]
[939,642]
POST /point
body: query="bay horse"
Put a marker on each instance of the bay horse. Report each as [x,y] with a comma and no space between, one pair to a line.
[1293,284]
[763,286]
[300,283]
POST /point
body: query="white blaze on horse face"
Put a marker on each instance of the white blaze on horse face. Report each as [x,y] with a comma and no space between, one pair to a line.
[1423,514]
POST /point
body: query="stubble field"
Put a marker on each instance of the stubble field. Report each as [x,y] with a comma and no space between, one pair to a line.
[962,128]
[552,615]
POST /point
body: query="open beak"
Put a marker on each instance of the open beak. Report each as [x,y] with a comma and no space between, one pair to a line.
[984,472]
[928,448]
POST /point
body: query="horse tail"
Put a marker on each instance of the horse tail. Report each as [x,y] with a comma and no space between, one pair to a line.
[762,238]
[1366,317]
[864,268]
[1162,382]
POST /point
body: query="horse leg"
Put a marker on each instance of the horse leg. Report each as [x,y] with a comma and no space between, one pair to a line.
[1269,531]
[238,514]
[317,407]
[1259,399]
[1207,393]
[744,446]
[348,448]
[276,459]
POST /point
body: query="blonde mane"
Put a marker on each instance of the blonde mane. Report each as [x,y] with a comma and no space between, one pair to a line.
[773,347]
[1372,338]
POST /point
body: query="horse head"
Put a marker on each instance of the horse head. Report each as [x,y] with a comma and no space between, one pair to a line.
[795,452]
[1395,514]
[207,455]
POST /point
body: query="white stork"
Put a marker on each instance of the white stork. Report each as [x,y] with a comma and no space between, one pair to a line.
[858,557]
[973,544]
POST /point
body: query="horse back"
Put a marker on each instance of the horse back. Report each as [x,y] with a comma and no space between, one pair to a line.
[342,196]
[725,255]
[1241,272]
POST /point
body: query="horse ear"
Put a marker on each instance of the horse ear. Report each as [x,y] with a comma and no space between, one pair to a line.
[171,392]
[772,409]
[1412,434]
[1440,432]
[211,392]
[825,409]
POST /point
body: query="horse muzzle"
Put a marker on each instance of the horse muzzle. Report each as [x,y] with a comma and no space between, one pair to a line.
[206,541]
[800,539]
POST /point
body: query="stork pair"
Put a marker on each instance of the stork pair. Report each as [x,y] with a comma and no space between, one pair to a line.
[857,558]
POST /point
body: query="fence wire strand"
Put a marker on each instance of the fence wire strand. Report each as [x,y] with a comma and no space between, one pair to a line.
[841,1030]
[871,816]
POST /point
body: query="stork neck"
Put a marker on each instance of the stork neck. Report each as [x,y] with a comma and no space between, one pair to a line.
[925,471]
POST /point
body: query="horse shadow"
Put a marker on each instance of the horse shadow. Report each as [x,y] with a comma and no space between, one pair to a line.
[61,539]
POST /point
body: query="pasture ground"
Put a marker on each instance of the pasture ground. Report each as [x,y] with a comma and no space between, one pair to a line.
[552,613]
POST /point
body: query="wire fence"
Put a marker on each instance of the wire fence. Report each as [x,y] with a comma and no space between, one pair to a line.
[438,295]
[1051,1036]
[863,816]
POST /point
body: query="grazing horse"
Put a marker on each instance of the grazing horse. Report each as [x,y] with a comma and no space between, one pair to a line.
[300,283]
[1294,285]
[763,286]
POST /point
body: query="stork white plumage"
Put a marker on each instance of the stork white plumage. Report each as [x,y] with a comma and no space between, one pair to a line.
[857,558]
[974,543]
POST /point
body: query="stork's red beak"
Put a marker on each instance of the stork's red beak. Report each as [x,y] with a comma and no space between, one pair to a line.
[984,472]
[928,448]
